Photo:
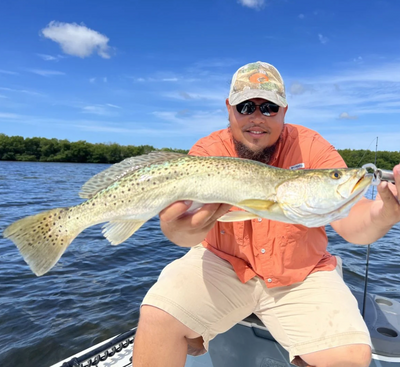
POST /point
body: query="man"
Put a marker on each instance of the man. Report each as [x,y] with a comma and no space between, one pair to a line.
[278,271]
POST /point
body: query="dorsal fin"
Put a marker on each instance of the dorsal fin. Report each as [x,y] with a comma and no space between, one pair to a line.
[107,177]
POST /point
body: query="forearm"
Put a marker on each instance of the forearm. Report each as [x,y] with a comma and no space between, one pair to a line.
[359,227]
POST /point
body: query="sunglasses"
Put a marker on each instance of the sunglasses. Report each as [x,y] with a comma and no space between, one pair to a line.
[248,107]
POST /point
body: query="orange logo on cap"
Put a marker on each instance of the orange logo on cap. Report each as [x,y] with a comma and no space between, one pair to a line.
[258,78]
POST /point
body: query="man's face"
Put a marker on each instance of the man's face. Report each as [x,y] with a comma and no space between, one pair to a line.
[256,131]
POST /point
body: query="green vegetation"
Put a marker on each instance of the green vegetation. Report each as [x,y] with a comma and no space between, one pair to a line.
[17,148]
[356,158]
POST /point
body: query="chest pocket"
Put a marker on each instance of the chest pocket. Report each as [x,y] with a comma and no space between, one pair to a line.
[230,232]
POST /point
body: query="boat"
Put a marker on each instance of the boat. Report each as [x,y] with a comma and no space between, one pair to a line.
[250,344]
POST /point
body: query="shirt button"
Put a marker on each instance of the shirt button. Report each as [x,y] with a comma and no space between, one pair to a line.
[263,251]
[259,219]
[269,280]
[222,232]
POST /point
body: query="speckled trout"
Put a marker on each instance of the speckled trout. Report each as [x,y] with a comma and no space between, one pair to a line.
[129,193]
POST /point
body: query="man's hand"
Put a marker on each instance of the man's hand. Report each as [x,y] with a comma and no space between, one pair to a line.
[388,213]
[370,220]
[188,229]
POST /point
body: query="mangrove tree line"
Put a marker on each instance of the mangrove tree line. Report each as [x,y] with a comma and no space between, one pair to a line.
[17,148]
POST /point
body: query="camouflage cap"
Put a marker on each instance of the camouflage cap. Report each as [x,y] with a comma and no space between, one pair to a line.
[257,80]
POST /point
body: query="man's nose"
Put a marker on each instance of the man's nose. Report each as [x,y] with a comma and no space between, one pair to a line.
[257,116]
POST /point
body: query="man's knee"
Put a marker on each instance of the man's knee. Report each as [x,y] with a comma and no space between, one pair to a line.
[355,355]
[153,316]
[155,320]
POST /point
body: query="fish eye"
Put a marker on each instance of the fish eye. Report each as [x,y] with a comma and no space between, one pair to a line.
[336,175]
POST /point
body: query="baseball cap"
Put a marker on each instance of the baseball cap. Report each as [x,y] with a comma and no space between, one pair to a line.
[257,80]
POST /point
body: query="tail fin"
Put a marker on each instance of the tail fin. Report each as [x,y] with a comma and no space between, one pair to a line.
[42,238]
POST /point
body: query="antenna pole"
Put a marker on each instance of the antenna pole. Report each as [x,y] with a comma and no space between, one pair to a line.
[368,249]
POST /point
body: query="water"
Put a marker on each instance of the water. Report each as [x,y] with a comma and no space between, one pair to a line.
[95,290]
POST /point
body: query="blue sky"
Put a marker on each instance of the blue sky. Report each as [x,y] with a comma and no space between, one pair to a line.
[158,72]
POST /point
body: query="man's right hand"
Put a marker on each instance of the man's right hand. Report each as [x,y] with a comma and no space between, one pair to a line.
[188,229]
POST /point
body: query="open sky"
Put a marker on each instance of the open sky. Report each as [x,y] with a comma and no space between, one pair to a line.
[158,72]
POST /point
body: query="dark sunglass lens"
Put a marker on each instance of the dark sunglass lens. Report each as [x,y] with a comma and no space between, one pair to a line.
[269,108]
[246,108]
[273,107]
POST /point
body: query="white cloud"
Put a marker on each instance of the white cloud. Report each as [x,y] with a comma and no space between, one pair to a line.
[8,72]
[297,88]
[96,110]
[46,72]
[21,91]
[346,116]
[48,57]
[154,80]
[196,122]
[215,96]
[301,16]
[348,101]
[101,110]
[322,39]
[254,4]
[10,116]
[92,80]
[77,40]
[185,95]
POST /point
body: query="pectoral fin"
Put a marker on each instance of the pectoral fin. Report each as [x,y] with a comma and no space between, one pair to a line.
[119,231]
[237,216]
[257,204]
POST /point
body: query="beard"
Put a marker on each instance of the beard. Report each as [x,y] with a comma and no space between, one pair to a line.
[262,155]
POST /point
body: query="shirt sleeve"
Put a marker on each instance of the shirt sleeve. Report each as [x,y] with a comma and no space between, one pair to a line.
[324,155]
[199,149]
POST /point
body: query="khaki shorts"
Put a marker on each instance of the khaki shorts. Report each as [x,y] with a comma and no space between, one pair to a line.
[203,292]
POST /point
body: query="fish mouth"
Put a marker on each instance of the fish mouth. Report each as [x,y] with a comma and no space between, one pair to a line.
[362,183]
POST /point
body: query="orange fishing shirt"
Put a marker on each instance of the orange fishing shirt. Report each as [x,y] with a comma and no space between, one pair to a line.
[280,253]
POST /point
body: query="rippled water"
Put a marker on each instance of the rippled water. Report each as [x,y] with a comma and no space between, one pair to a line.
[95,290]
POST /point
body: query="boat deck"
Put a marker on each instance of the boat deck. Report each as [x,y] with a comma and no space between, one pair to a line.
[250,344]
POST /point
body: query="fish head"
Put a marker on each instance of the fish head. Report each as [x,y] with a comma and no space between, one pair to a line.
[317,197]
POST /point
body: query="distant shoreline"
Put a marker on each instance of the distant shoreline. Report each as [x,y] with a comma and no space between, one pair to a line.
[36,149]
